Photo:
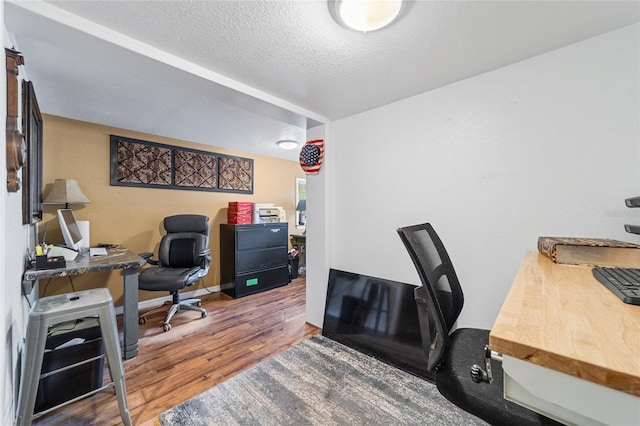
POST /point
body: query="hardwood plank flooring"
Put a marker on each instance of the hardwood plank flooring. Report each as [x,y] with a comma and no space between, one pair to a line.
[196,354]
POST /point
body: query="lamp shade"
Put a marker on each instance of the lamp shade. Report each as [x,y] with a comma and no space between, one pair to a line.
[302,206]
[65,191]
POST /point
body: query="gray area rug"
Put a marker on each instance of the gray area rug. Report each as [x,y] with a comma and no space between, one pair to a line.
[320,382]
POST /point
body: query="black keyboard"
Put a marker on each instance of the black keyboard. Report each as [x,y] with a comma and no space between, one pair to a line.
[623,282]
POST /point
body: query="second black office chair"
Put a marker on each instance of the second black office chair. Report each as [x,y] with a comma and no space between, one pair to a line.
[451,355]
[183,258]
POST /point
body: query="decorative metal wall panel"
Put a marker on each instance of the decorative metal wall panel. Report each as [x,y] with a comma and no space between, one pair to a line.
[153,165]
[141,163]
[195,169]
[236,174]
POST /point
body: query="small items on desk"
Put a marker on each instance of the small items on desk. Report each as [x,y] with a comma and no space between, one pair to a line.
[97,251]
[54,262]
[67,253]
[42,249]
[107,245]
[590,251]
[623,282]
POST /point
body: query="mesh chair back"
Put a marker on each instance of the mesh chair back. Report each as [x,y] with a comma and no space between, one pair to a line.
[440,298]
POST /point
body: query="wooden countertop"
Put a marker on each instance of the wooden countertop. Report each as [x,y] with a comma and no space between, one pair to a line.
[560,317]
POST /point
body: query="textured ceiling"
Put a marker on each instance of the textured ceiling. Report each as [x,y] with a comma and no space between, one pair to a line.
[288,53]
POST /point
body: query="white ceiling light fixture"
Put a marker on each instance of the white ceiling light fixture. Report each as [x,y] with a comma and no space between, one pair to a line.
[287,144]
[365,15]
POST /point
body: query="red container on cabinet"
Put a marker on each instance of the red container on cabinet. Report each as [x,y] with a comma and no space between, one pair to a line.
[239,212]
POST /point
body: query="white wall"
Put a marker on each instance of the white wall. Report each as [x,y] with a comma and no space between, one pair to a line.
[547,146]
[15,237]
[6,401]
[318,230]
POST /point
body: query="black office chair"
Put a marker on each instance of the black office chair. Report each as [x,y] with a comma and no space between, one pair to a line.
[183,258]
[453,357]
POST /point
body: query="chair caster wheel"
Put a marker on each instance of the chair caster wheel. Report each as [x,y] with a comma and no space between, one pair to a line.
[199,304]
[166,327]
[142,320]
[203,314]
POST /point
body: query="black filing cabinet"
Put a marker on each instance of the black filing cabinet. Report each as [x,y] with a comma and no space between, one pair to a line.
[253,257]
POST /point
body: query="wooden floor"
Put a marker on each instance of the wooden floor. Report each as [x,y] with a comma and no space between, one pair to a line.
[197,354]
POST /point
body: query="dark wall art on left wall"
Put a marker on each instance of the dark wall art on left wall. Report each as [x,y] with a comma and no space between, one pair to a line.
[32,186]
[23,140]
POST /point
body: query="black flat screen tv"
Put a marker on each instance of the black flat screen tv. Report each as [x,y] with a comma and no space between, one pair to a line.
[377,317]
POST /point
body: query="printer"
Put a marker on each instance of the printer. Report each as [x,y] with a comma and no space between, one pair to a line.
[268,213]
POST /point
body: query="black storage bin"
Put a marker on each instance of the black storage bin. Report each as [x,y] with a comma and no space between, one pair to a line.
[294,265]
[65,385]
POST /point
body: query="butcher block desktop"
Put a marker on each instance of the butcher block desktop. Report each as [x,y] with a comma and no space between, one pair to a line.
[571,348]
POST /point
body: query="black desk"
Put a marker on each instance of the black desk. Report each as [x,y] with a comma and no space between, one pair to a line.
[117,258]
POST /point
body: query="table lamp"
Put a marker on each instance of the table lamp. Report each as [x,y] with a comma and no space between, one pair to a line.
[302,208]
[67,191]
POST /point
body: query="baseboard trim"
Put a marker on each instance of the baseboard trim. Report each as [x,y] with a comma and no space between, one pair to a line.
[152,303]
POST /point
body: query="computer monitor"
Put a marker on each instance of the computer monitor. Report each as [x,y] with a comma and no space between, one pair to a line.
[70,230]
[378,317]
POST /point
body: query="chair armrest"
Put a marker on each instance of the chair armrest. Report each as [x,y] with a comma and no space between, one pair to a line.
[206,258]
[147,256]
[206,254]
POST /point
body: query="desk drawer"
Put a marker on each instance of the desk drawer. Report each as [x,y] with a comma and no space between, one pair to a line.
[261,259]
[258,281]
[260,236]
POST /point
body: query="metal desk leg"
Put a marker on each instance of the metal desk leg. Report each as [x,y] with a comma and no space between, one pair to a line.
[130,313]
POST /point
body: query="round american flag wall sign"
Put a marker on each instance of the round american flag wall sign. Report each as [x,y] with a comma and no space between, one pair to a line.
[311,156]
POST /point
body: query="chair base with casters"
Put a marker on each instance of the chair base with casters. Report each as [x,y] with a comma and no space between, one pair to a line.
[176,305]
[485,400]
[184,257]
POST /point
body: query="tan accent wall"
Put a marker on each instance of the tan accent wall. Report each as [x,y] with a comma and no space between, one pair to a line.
[133,216]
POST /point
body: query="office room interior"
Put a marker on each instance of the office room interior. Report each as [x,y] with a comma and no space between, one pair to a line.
[541,145]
